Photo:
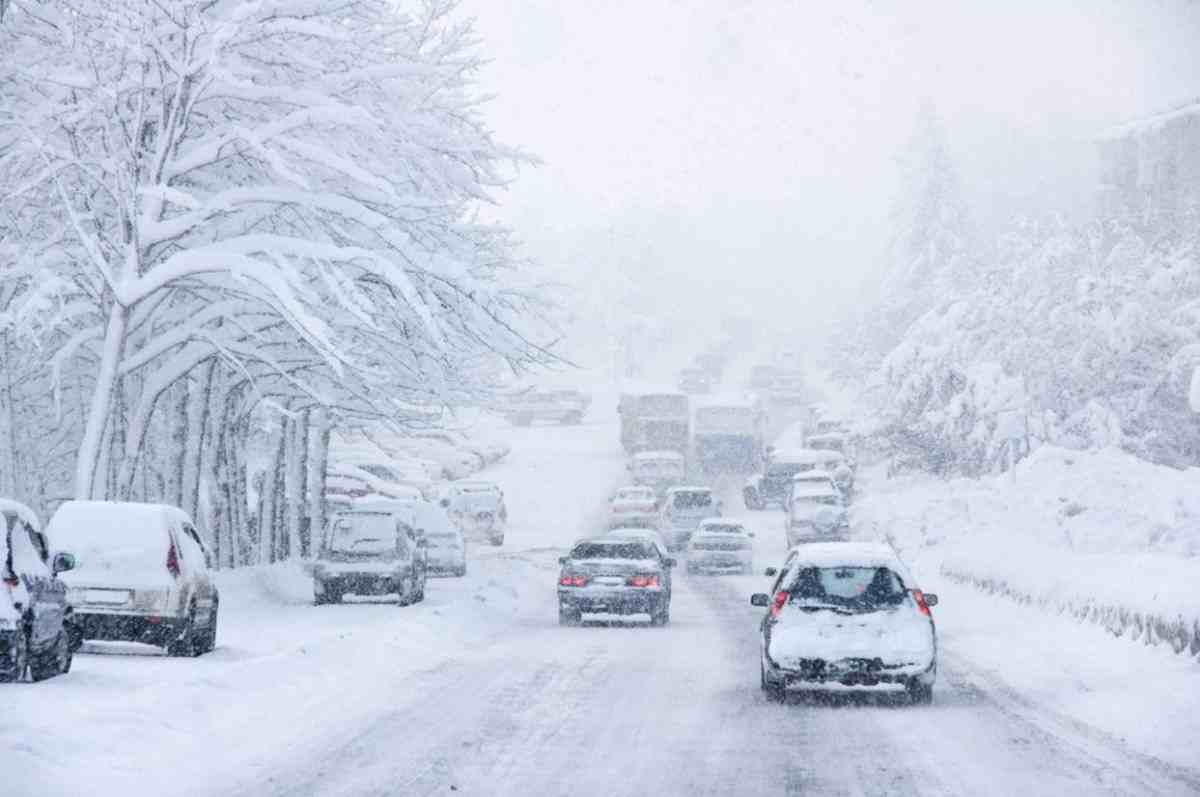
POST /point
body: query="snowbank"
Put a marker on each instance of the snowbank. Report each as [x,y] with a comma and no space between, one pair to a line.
[1101,535]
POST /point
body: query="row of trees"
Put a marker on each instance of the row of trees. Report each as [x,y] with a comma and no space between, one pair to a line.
[227,225]
[1077,334]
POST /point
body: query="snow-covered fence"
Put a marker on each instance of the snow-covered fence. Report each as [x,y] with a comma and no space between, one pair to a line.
[1181,634]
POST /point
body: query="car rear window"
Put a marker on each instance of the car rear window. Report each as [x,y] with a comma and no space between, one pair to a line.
[724,528]
[363,533]
[613,550]
[693,500]
[851,587]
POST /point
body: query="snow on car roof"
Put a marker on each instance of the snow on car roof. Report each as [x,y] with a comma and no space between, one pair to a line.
[738,400]
[720,521]
[644,456]
[11,507]
[683,488]
[813,489]
[813,476]
[847,554]
[113,517]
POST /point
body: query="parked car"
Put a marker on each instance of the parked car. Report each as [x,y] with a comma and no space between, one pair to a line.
[369,552]
[722,546]
[445,546]
[346,483]
[816,513]
[849,614]
[820,478]
[682,510]
[35,618]
[447,549]
[615,576]
[141,575]
[479,510]
[557,406]
[633,506]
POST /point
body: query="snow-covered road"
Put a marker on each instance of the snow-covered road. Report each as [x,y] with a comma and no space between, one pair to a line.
[481,692]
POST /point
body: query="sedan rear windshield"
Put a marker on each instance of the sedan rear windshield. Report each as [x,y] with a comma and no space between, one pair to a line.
[613,550]
[364,534]
[723,528]
[852,588]
[696,500]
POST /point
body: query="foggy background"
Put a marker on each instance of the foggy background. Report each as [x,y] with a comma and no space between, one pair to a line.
[698,161]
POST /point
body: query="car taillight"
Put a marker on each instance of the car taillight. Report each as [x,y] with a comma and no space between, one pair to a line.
[12,581]
[922,606]
[173,561]
[643,581]
[573,581]
[781,598]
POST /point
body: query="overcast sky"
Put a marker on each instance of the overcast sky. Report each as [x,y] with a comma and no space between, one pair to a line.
[742,151]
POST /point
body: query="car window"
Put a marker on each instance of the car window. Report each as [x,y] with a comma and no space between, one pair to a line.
[852,587]
[25,555]
[692,500]
[199,552]
[724,528]
[363,533]
[613,550]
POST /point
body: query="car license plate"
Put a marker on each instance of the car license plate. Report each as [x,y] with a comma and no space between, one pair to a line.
[610,581]
[113,597]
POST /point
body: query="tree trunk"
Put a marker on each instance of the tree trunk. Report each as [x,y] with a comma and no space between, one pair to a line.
[318,456]
[294,487]
[268,522]
[200,440]
[8,449]
[176,456]
[102,401]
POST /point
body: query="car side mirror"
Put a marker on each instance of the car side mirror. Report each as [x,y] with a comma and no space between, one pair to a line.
[62,563]
[930,599]
[562,560]
[760,599]
[771,571]
[669,561]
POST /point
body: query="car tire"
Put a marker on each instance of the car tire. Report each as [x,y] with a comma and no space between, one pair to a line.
[12,666]
[774,690]
[55,661]
[919,694]
[569,616]
[460,572]
[420,596]
[210,633]
[662,614]
[185,645]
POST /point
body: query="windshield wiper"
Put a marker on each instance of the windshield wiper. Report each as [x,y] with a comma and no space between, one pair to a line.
[815,607]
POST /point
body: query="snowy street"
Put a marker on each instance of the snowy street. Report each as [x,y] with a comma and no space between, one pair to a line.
[479,689]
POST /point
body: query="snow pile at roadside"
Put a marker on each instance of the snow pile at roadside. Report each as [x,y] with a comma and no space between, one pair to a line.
[1099,534]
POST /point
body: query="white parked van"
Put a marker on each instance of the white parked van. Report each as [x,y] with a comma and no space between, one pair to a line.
[141,575]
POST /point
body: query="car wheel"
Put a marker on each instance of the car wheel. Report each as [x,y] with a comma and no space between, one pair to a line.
[662,614]
[210,634]
[55,661]
[185,643]
[12,666]
[461,571]
[772,689]
[421,589]
[569,616]
[919,694]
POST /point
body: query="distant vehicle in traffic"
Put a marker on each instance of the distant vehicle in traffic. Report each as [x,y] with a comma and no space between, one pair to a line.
[615,576]
[721,545]
[556,406]
[369,552]
[658,470]
[775,483]
[816,512]
[728,432]
[633,506]
[694,381]
[682,509]
[654,419]
[479,510]
[446,548]
[640,533]
[141,575]
[35,618]
[848,614]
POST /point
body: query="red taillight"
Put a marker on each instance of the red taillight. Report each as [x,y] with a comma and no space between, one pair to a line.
[573,581]
[173,561]
[12,581]
[643,581]
[922,606]
[781,598]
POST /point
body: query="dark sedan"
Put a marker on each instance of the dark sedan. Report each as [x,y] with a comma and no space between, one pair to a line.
[613,576]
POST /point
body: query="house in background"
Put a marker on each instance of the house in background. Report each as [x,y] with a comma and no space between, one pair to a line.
[1151,167]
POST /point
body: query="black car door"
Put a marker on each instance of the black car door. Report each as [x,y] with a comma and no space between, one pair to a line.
[47,595]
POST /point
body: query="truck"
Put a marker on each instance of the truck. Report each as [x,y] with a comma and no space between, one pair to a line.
[655,420]
[728,433]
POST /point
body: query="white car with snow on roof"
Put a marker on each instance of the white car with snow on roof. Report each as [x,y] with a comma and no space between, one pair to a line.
[848,614]
[478,508]
[659,470]
[682,510]
[141,575]
[721,546]
[816,513]
[633,506]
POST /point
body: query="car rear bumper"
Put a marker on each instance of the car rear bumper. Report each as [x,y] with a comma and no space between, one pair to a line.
[114,627]
[852,672]
[628,601]
[447,565]
[361,583]
[718,562]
